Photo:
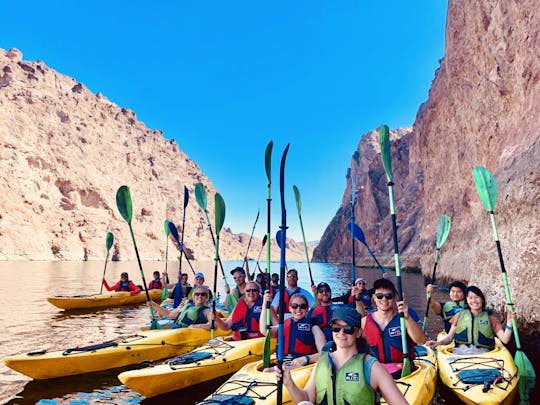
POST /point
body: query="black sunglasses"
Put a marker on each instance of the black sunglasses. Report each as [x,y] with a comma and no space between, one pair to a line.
[388,296]
[199,294]
[323,290]
[302,306]
[349,330]
[252,290]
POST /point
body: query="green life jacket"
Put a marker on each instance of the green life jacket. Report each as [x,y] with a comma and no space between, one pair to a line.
[346,386]
[475,330]
[450,308]
[190,315]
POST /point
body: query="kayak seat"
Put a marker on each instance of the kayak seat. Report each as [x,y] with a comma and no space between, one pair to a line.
[479,376]
[230,400]
[420,351]
[189,358]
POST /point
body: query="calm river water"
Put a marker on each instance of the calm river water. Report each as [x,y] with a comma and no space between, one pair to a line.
[29,323]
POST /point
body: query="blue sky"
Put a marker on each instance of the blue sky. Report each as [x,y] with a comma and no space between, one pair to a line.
[224,77]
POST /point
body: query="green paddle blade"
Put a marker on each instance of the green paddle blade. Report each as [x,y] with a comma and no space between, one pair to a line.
[268,161]
[266,349]
[231,302]
[123,202]
[443,229]
[166,227]
[298,199]
[384,143]
[486,187]
[164,294]
[219,207]
[109,240]
[200,196]
[524,365]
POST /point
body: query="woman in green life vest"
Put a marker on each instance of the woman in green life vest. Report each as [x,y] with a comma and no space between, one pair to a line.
[345,374]
[474,329]
[194,314]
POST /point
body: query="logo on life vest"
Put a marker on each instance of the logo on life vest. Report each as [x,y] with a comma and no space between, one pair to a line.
[484,321]
[257,309]
[395,331]
[304,327]
[352,376]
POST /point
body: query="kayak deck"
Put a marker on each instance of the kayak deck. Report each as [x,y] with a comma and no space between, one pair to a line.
[485,378]
[110,299]
[217,358]
[146,346]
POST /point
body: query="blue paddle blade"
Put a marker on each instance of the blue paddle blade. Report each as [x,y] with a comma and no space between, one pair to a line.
[173,230]
[279,239]
[358,233]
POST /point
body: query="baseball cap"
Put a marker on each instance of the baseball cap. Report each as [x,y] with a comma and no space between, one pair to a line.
[199,274]
[238,269]
[323,284]
[348,315]
[359,280]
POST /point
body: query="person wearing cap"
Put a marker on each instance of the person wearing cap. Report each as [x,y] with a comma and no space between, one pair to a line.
[244,319]
[321,314]
[274,284]
[125,284]
[382,328]
[292,288]
[199,282]
[358,292]
[345,373]
[449,308]
[239,276]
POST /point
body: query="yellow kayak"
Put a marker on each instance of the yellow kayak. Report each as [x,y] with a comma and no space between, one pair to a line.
[486,378]
[217,358]
[109,299]
[145,346]
[250,383]
[418,388]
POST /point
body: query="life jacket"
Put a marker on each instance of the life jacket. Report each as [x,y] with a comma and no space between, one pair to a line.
[287,297]
[246,320]
[299,339]
[386,344]
[123,286]
[321,316]
[449,309]
[365,297]
[190,315]
[235,292]
[273,290]
[346,386]
[155,285]
[475,330]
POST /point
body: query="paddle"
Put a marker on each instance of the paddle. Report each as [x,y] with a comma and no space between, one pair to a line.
[125,206]
[359,234]
[178,290]
[174,233]
[353,200]
[443,229]
[384,142]
[487,190]
[283,228]
[252,230]
[264,239]
[164,292]
[219,217]
[299,208]
[268,169]
[109,240]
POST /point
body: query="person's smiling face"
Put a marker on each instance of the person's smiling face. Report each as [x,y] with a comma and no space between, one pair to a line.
[384,299]
[298,308]
[475,302]
[200,296]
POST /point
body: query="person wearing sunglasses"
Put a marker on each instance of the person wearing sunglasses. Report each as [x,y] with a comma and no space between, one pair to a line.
[382,328]
[345,373]
[449,308]
[199,282]
[244,320]
[321,314]
[196,314]
[303,340]
[292,288]
[358,292]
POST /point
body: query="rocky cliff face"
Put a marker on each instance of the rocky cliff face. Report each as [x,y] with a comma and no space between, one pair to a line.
[483,109]
[64,153]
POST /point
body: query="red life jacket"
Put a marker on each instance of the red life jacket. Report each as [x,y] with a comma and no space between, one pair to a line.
[246,319]
[287,298]
[323,316]
[299,339]
[155,285]
[386,344]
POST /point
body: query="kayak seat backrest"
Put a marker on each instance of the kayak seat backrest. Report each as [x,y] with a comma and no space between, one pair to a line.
[420,351]
[230,400]
[189,358]
[479,376]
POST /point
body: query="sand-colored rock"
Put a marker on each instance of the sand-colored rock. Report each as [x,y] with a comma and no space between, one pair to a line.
[64,152]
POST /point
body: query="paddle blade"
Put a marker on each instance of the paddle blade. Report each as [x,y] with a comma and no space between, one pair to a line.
[443,229]
[231,303]
[268,161]
[164,294]
[384,143]
[219,213]
[265,238]
[266,350]
[123,202]
[166,227]
[279,239]
[298,199]
[109,240]
[174,231]
[200,196]
[486,187]
[358,233]
[186,197]
[524,365]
